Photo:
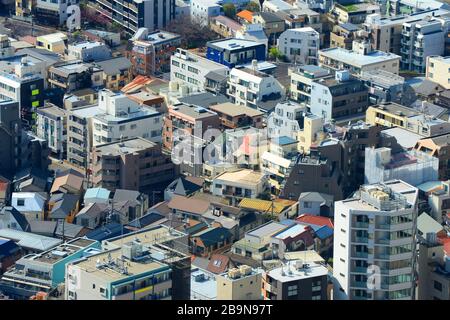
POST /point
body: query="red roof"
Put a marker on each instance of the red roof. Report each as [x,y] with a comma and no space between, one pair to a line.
[316,220]
[246,14]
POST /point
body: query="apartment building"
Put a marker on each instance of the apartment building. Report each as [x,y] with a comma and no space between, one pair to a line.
[115,72]
[203,10]
[88,51]
[6,50]
[53,13]
[302,79]
[79,134]
[243,283]
[135,14]
[438,147]
[235,52]
[225,26]
[133,164]
[234,116]
[122,118]
[384,86]
[43,272]
[413,167]
[439,202]
[300,45]
[395,115]
[150,52]
[358,59]
[343,35]
[438,70]
[419,40]
[51,125]
[272,24]
[193,70]
[296,280]
[375,233]
[53,42]
[249,87]
[355,13]
[286,120]
[338,97]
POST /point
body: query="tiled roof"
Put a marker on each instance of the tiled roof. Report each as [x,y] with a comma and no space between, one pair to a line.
[246,14]
[279,205]
[315,220]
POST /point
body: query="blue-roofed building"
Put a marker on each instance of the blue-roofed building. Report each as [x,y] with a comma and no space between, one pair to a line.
[235,52]
[10,252]
[209,240]
[97,195]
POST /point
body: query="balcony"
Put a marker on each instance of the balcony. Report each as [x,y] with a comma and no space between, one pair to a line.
[361,225]
[360,240]
[360,255]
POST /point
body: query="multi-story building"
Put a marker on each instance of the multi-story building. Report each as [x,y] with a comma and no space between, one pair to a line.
[6,50]
[235,52]
[43,272]
[300,45]
[150,52]
[51,125]
[115,73]
[419,40]
[395,115]
[249,87]
[357,61]
[437,146]
[339,97]
[133,164]
[234,116]
[122,118]
[272,24]
[384,86]
[79,134]
[51,12]
[438,70]
[413,167]
[135,14]
[243,283]
[286,120]
[224,26]
[439,202]
[296,280]
[53,42]
[203,10]
[89,51]
[343,36]
[355,13]
[192,70]
[302,79]
[374,243]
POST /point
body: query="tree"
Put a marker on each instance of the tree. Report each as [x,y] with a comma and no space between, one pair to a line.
[229,10]
[275,54]
[193,35]
[253,7]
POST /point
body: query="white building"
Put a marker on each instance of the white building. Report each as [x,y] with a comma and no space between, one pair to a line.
[374,243]
[254,32]
[51,126]
[300,45]
[284,120]
[413,167]
[276,5]
[122,118]
[439,202]
[89,51]
[202,10]
[302,79]
[247,87]
[31,204]
[191,69]
[244,183]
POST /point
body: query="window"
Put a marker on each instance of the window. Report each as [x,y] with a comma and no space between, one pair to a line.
[437,286]
[307,204]
[292,291]
[20,202]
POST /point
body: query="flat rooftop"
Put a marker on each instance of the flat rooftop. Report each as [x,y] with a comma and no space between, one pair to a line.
[191,111]
[52,111]
[232,44]
[234,110]
[359,60]
[124,147]
[400,19]
[63,250]
[87,111]
[289,272]
[203,285]
[396,109]
[246,176]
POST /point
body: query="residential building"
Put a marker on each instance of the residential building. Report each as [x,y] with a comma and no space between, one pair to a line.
[419,40]
[253,32]
[11,218]
[193,70]
[395,115]
[358,61]
[53,13]
[385,213]
[413,167]
[203,10]
[89,51]
[239,184]
[210,240]
[203,285]
[70,181]
[6,50]
[272,24]
[234,116]
[134,164]
[438,70]
[29,242]
[31,204]
[302,78]
[296,280]
[276,5]
[316,204]
[439,202]
[224,26]
[122,118]
[51,126]
[355,13]
[112,39]
[150,52]
[96,195]
[243,283]
[135,14]
[339,97]
[286,120]
[79,134]
[10,252]
[54,42]
[44,271]
[74,75]
[234,52]
[384,86]
[343,35]
[438,147]
[300,45]
[116,72]
[249,87]
[26,89]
